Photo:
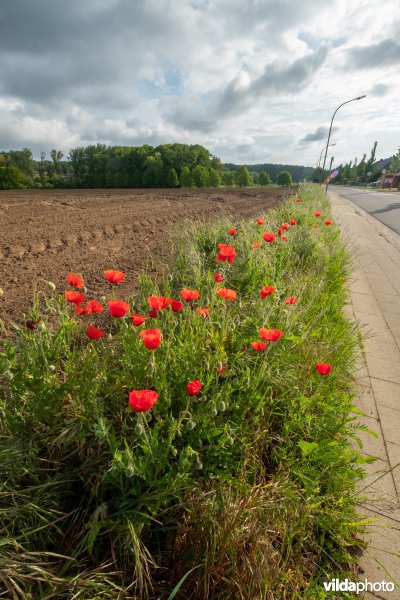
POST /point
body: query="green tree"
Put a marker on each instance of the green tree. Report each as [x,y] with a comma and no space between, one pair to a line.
[172,178]
[185,179]
[284,178]
[214,178]
[228,178]
[200,176]
[11,178]
[394,166]
[243,178]
[264,178]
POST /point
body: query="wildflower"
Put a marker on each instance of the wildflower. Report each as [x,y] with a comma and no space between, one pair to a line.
[323,368]
[280,230]
[203,312]
[137,320]
[267,290]
[93,333]
[75,297]
[118,308]
[142,400]
[218,277]
[317,214]
[226,253]
[82,310]
[153,314]
[94,306]
[176,306]
[259,346]
[256,245]
[327,222]
[291,300]
[32,324]
[297,200]
[221,369]
[293,222]
[269,237]
[315,226]
[158,302]
[285,226]
[193,387]
[114,276]
[189,295]
[227,294]
[270,335]
[151,338]
[260,222]
[74,280]
[232,232]
[284,239]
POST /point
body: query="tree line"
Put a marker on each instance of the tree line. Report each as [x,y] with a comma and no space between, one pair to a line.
[101,166]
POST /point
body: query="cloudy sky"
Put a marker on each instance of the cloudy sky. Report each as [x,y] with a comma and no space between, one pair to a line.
[252,80]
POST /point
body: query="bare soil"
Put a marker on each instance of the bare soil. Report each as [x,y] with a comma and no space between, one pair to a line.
[46,234]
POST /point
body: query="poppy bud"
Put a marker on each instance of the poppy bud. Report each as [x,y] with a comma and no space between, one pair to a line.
[247,381]
[139,429]
[103,298]
[214,412]
[199,464]
[8,375]
[51,285]
[230,440]
[219,365]
[129,471]
[221,406]
[52,367]
[190,425]
[109,337]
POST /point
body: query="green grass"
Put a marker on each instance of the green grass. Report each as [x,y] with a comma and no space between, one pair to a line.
[250,485]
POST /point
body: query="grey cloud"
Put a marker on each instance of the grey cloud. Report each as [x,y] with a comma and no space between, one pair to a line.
[235,99]
[384,54]
[319,134]
[380,89]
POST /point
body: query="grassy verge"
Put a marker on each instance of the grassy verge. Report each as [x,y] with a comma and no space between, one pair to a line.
[249,480]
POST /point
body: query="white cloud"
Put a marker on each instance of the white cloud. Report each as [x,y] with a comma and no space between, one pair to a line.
[252,80]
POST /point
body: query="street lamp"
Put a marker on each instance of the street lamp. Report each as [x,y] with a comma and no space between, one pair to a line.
[330,128]
[320,156]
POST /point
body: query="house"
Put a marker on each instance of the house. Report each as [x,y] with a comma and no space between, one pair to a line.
[386,178]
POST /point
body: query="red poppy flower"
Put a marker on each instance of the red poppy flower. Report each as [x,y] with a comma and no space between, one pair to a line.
[142,400]
[176,306]
[260,222]
[323,368]
[285,226]
[189,295]
[315,226]
[151,338]
[94,306]
[291,300]
[293,222]
[203,312]
[118,308]
[32,324]
[227,294]
[266,290]
[75,297]
[158,302]
[82,310]
[232,232]
[280,230]
[317,214]
[270,335]
[137,320]
[269,237]
[226,253]
[114,276]
[153,314]
[218,277]
[259,346]
[256,245]
[75,280]
[328,222]
[221,370]
[284,239]
[193,387]
[297,200]
[95,333]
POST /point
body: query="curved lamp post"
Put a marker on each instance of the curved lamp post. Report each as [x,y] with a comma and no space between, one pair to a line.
[330,128]
[320,156]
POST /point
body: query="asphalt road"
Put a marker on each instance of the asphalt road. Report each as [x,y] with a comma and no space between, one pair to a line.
[384,206]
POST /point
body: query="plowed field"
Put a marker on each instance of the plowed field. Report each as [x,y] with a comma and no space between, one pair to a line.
[45,234]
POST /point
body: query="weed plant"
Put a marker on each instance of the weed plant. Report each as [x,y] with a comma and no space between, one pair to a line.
[247,488]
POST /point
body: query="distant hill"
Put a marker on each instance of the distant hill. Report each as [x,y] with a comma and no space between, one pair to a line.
[297,172]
